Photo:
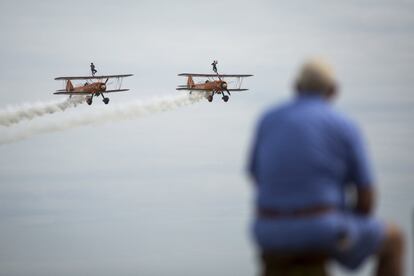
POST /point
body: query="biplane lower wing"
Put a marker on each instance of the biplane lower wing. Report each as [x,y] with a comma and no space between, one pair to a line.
[216,75]
[94,77]
[197,89]
[115,90]
[87,93]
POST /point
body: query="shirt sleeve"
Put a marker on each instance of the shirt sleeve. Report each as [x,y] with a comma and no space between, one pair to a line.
[359,167]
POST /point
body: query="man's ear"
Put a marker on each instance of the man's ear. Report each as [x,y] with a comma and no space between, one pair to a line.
[331,92]
[297,87]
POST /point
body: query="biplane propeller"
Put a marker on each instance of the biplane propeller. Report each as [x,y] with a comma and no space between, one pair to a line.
[94,86]
[215,84]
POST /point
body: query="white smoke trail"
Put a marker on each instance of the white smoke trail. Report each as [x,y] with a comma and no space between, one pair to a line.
[14,114]
[125,111]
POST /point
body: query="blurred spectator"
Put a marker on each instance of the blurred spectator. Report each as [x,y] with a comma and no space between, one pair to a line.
[304,159]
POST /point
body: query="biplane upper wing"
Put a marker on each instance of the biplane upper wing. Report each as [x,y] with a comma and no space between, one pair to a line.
[64,92]
[94,77]
[216,75]
[198,89]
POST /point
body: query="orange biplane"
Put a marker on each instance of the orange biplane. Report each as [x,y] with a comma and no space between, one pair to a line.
[94,86]
[215,84]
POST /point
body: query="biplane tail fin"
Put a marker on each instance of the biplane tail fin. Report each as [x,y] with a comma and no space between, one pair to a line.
[190,82]
[69,86]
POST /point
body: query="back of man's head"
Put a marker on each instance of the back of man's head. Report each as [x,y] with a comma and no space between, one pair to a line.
[316,77]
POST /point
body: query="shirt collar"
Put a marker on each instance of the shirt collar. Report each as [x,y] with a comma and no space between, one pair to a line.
[310,97]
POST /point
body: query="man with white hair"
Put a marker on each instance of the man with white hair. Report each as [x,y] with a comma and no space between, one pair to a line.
[304,158]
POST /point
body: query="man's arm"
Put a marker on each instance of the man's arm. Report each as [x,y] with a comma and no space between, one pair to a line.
[359,172]
[365,201]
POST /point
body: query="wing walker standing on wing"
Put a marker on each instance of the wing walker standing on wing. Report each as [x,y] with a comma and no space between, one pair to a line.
[212,85]
[214,64]
[94,85]
[93,70]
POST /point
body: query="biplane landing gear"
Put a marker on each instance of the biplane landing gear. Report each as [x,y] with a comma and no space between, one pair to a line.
[105,100]
[89,100]
[210,97]
[225,98]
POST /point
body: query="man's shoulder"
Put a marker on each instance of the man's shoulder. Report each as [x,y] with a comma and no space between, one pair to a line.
[279,108]
[341,118]
[343,123]
[323,111]
[275,111]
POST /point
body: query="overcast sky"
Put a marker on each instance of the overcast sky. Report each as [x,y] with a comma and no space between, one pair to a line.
[168,194]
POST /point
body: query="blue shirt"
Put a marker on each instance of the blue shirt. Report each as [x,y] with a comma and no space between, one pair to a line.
[304,154]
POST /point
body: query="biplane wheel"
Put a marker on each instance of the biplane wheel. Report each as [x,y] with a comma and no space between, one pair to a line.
[89,101]
[106,100]
[225,98]
[210,98]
